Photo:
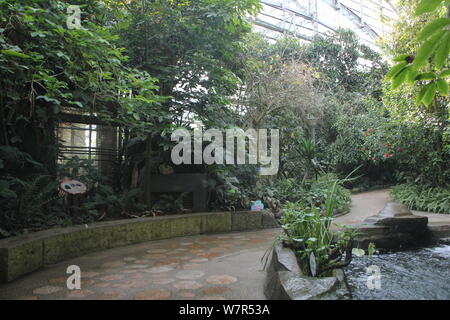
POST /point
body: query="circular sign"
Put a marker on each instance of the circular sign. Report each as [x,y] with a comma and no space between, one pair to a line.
[73,187]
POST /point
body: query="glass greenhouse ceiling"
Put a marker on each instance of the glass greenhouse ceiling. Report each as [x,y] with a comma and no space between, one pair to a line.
[305,18]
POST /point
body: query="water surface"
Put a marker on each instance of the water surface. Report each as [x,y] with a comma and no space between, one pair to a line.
[418,274]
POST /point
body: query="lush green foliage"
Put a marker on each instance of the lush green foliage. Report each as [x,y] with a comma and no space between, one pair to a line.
[47,68]
[429,65]
[35,203]
[416,136]
[151,66]
[307,231]
[187,45]
[338,59]
[415,149]
[423,197]
[311,193]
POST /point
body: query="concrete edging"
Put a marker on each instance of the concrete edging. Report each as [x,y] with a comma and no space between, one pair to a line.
[26,253]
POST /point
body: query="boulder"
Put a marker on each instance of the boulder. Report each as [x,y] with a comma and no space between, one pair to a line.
[394,227]
[286,281]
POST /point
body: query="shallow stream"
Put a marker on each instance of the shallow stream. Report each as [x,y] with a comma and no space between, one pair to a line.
[417,274]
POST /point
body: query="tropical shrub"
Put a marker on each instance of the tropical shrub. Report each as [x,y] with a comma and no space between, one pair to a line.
[415,148]
[226,190]
[423,197]
[312,193]
[307,232]
[318,193]
[31,204]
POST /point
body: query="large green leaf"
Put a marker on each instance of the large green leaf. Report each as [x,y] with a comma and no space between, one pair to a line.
[429,93]
[412,75]
[400,77]
[358,252]
[426,76]
[427,48]
[442,51]
[432,27]
[15,54]
[442,86]
[395,70]
[427,6]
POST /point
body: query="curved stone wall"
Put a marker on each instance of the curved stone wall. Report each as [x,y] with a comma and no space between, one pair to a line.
[26,253]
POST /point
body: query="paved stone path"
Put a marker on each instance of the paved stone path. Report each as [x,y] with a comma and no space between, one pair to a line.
[369,203]
[223,266]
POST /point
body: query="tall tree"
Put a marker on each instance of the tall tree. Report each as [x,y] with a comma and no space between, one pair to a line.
[191,47]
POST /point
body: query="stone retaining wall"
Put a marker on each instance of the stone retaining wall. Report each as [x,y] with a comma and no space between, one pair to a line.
[26,253]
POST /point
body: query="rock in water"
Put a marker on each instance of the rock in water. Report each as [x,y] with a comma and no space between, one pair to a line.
[394,227]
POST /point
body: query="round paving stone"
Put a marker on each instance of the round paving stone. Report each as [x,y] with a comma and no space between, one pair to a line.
[79,294]
[142,261]
[186,294]
[187,285]
[157,250]
[172,262]
[153,294]
[137,276]
[154,256]
[212,298]
[130,271]
[47,290]
[217,249]
[109,296]
[221,279]
[86,282]
[208,255]
[129,259]
[101,285]
[215,290]
[190,266]
[162,281]
[113,264]
[89,274]
[199,260]
[28,298]
[57,280]
[112,277]
[159,269]
[129,284]
[189,274]
[137,266]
